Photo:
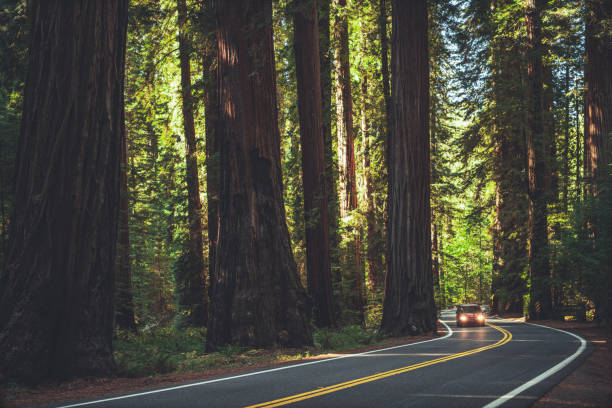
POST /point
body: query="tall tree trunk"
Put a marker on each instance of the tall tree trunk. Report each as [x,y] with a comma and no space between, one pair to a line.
[598,95]
[56,309]
[510,237]
[346,152]
[344,112]
[549,134]
[375,272]
[213,148]
[124,303]
[579,152]
[409,304]
[496,245]
[374,256]
[331,166]
[598,142]
[435,212]
[540,301]
[192,293]
[566,141]
[306,43]
[257,297]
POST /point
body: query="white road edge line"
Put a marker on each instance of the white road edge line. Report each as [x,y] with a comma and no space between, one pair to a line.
[501,400]
[139,394]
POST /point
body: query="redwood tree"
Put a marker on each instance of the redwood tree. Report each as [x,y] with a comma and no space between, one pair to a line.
[209,72]
[540,300]
[598,96]
[306,44]
[56,291]
[257,297]
[509,171]
[409,302]
[346,155]
[192,295]
[598,141]
[331,166]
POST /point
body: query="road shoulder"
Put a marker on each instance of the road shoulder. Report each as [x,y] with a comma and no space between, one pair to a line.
[589,384]
[83,389]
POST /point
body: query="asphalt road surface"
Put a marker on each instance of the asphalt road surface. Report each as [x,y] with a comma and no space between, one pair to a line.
[504,363]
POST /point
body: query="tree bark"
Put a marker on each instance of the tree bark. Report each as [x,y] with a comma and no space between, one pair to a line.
[540,300]
[331,165]
[306,44]
[346,153]
[56,307]
[566,141]
[512,207]
[344,112]
[598,95]
[192,292]
[374,256]
[257,300]
[549,133]
[408,306]
[213,148]
[598,141]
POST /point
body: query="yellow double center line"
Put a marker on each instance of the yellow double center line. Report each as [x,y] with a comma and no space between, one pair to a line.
[353,383]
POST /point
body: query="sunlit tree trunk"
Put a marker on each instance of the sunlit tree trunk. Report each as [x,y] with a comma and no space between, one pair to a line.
[409,304]
[192,295]
[566,141]
[56,290]
[213,149]
[374,255]
[331,166]
[551,183]
[346,152]
[306,43]
[257,298]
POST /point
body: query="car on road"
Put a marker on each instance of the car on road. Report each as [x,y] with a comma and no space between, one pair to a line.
[470,314]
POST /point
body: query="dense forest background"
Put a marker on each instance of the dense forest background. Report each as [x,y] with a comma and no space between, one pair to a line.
[520,218]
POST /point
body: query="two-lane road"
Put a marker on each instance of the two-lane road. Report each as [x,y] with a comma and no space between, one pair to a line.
[506,362]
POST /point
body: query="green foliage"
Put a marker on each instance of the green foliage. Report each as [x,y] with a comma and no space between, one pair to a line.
[345,338]
[157,351]
[166,350]
[13,64]
[583,261]
[156,166]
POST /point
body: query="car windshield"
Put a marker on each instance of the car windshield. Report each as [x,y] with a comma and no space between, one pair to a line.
[471,309]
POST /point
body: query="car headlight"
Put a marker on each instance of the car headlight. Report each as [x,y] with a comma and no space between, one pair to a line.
[462,318]
[480,317]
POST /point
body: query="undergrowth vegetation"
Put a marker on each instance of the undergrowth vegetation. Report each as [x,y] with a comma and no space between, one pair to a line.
[170,350]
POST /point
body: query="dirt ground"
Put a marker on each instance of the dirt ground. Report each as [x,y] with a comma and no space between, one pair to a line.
[590,385]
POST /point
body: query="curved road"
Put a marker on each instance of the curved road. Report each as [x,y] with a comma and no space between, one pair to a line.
[505,363]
